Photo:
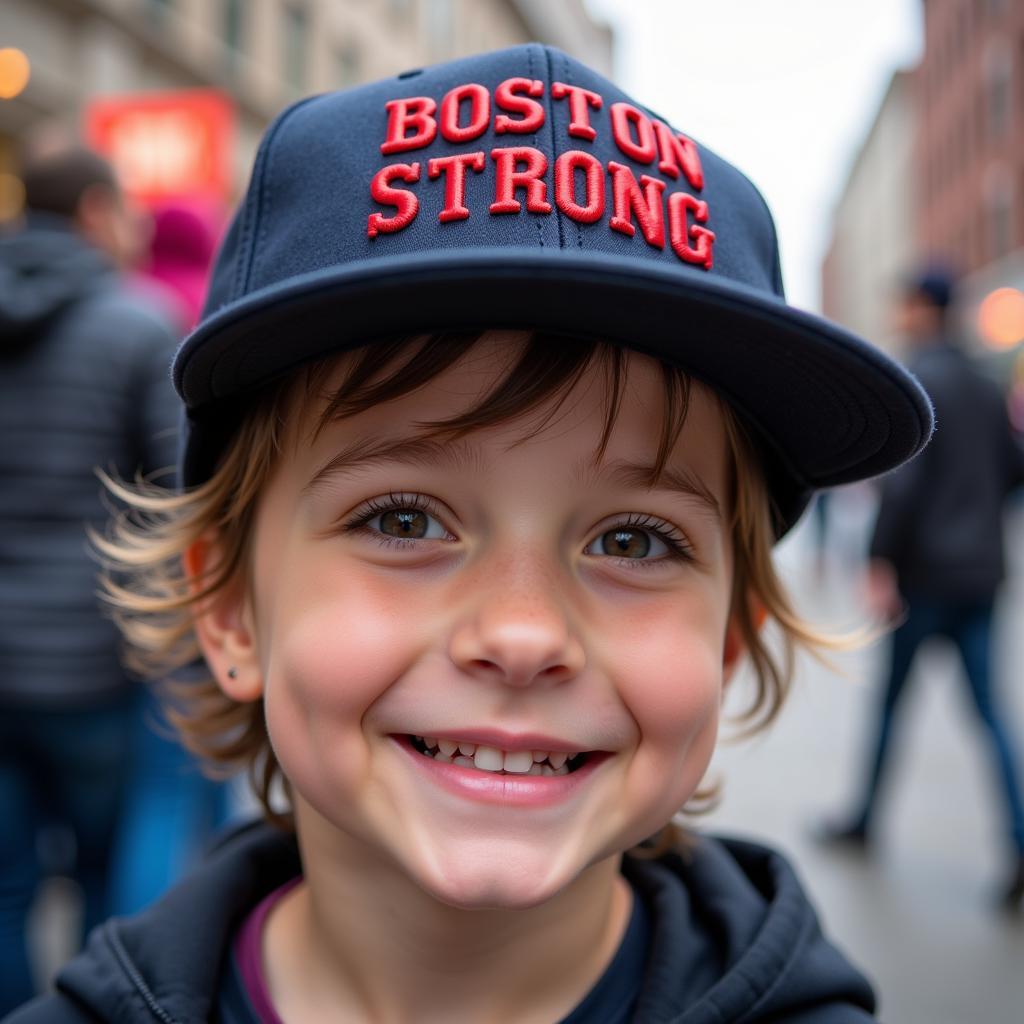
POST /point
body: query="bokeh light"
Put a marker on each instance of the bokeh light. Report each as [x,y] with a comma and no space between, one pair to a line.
[1001,318]
[15,70]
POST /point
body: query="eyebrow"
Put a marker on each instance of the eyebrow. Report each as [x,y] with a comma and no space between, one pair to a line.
[426,451]
[423,451]
[642,475]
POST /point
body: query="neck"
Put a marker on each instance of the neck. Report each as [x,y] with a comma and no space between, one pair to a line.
[360,941]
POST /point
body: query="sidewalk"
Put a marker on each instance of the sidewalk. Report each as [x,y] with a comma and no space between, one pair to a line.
[916,915]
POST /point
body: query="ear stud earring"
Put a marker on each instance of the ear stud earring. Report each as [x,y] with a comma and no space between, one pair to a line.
[232,672]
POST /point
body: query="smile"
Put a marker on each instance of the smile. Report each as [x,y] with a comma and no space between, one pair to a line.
[491,759]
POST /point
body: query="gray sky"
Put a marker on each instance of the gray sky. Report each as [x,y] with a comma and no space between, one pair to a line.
[785,89]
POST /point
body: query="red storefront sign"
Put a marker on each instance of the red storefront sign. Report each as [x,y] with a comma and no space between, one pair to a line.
[166,145]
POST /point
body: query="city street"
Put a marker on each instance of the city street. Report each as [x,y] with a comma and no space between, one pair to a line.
[916,914]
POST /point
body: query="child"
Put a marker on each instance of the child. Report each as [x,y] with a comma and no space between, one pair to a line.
[493,418]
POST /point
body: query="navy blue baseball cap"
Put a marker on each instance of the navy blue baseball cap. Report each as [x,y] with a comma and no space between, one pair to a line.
[520,189]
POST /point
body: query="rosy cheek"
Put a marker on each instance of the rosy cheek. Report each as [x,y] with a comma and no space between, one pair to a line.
[336,645]
[671,681]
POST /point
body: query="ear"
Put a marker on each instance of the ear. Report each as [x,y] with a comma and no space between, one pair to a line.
[224,627]
[94,209]
[735,645]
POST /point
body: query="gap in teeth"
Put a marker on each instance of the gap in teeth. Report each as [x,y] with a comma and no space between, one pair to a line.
[483,758]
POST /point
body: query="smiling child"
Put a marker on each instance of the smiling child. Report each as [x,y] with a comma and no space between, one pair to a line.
[494,416]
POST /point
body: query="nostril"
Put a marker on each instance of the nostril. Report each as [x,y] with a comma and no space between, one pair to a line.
[555,672]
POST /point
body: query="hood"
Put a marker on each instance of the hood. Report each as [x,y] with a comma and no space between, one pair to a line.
[736,939]
[43,269]
[733,939]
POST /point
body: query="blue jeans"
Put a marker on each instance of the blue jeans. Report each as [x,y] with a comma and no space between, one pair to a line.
[66,768]
[969,626]
[170,815]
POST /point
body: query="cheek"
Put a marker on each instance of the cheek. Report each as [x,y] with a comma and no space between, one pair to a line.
[671,684]
[331,645]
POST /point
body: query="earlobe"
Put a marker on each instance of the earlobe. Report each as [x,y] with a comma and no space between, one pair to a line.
[224,627]
[735,645]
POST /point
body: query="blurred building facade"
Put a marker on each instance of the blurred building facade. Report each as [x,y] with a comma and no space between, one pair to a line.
[958,194]
[262,53]
[865,258]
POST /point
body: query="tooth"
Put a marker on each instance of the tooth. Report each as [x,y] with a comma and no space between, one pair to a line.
[547,769]
[469,749]
[442,759]
[447,747]
[564,770]
[535,769]
[540,755]
[431,743]
[463,762]
[518,761]
[557,760]
[488,759]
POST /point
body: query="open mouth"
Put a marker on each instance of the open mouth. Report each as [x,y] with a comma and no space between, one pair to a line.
[501,762]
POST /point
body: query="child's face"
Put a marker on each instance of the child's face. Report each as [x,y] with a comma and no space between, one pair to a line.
[521,598]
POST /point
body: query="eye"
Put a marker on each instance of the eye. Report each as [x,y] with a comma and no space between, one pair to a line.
[397,518]
[410,523]
[641,539]
[629,542]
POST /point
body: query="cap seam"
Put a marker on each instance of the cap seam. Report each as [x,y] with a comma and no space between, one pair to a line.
[253,210]
[536,220]
[568,81]
[548,52]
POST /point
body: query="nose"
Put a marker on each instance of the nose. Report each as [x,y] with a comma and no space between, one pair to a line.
[516,631]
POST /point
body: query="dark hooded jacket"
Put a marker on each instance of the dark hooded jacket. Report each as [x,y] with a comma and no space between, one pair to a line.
[733,938]
[84,382]
[940,520]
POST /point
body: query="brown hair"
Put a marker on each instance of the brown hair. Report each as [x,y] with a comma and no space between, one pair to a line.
[154,602]
[56,179]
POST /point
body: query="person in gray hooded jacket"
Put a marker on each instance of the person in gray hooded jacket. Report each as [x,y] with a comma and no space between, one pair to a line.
[83,384]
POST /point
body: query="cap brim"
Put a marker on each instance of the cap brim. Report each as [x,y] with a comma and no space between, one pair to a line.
[832,408]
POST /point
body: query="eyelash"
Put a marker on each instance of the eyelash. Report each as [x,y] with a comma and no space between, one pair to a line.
[359,523]
[679,548]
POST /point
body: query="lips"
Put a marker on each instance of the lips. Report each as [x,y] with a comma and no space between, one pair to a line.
[487,758]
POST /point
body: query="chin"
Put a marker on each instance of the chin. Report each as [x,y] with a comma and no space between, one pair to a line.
[471,880]
[496,893]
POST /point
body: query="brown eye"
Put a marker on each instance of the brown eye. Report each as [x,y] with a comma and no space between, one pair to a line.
[626,543]
[405,522]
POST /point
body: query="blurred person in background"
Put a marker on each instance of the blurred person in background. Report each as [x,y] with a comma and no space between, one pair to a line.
[177,263]
[83,383]
[937,553]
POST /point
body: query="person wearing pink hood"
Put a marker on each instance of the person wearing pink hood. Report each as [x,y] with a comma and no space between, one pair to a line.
[181,251]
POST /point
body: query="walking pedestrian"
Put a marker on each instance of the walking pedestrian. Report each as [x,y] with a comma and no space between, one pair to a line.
[83,383]
[937,558]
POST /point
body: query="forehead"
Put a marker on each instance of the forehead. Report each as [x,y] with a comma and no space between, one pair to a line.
[569,423]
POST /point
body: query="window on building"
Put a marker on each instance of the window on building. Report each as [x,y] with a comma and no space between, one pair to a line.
[348,65]
[999,88]
[963,29]
[1000,229]
[233,24]
[296,45]
[156,9]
